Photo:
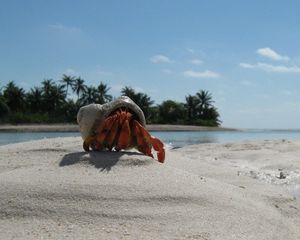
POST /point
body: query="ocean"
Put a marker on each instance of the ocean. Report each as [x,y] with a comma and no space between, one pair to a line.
[174,139]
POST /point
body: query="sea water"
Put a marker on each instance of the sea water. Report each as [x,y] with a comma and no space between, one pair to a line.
[174,139]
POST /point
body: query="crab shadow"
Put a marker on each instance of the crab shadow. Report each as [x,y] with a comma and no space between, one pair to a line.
[105,160]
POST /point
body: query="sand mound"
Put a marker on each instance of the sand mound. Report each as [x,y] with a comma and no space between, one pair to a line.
[50,189]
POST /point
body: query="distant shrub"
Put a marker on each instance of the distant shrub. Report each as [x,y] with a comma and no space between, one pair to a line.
[20,117]
[208,123]
[4,109]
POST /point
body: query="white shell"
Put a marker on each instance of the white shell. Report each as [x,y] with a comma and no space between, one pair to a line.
[89,117]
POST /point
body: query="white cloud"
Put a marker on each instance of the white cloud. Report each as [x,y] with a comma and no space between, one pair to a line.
[24,85]
[286,92]
[138,89]
[167,71]
[196,61]
[103,73]
[271,54]
[190,50]
[204,74]
[246,65]
[271,68]
[246,83]
[70,71]
[160,59]
[117,87]
[62,28]
[99,71]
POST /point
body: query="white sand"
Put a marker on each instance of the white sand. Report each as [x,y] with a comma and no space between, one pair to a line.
[50,189]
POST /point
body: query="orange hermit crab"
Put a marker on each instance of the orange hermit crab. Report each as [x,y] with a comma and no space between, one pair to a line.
[117,125]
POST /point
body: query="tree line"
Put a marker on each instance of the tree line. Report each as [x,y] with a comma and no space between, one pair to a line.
[52,102]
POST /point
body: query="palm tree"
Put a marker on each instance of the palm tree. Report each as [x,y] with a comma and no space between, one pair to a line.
[67,81]
[57,98]
[4,109]
[211,116]
[14,97]
[191,107]
[145,102]
[89,96]
[141,99]
[211,113]
[129,92]
[70,109]
[34,99]
[103,97]
[79,87]
[47,84]
[53,96]
[205,101]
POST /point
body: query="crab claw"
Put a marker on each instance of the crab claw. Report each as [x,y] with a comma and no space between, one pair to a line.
[145,142]
[159,147]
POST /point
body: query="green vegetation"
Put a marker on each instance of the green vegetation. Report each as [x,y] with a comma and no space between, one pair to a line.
[52,102]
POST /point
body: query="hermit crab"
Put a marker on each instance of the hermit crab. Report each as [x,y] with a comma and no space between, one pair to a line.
[117,125]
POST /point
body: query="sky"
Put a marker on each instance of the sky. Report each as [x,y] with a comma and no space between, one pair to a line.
[245,53]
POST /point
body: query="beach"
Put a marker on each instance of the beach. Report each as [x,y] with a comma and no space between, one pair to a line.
[51,189]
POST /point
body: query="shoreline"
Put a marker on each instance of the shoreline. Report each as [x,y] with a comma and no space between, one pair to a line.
[75,128]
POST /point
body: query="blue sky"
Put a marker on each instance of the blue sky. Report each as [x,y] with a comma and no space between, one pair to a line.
[246,53]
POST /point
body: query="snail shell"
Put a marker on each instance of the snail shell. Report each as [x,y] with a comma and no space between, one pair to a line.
[89,117]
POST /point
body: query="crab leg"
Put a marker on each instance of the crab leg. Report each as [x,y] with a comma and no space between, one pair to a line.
[87,143]
[103,131]
[142,145]
[99,139]
[139,136]
[112,134]
[125,136]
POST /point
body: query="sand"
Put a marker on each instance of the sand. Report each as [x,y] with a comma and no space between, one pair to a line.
[50,189]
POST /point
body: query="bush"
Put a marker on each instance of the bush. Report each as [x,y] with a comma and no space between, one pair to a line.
[20,117]
[207,123]
[171,112]
[4,109]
